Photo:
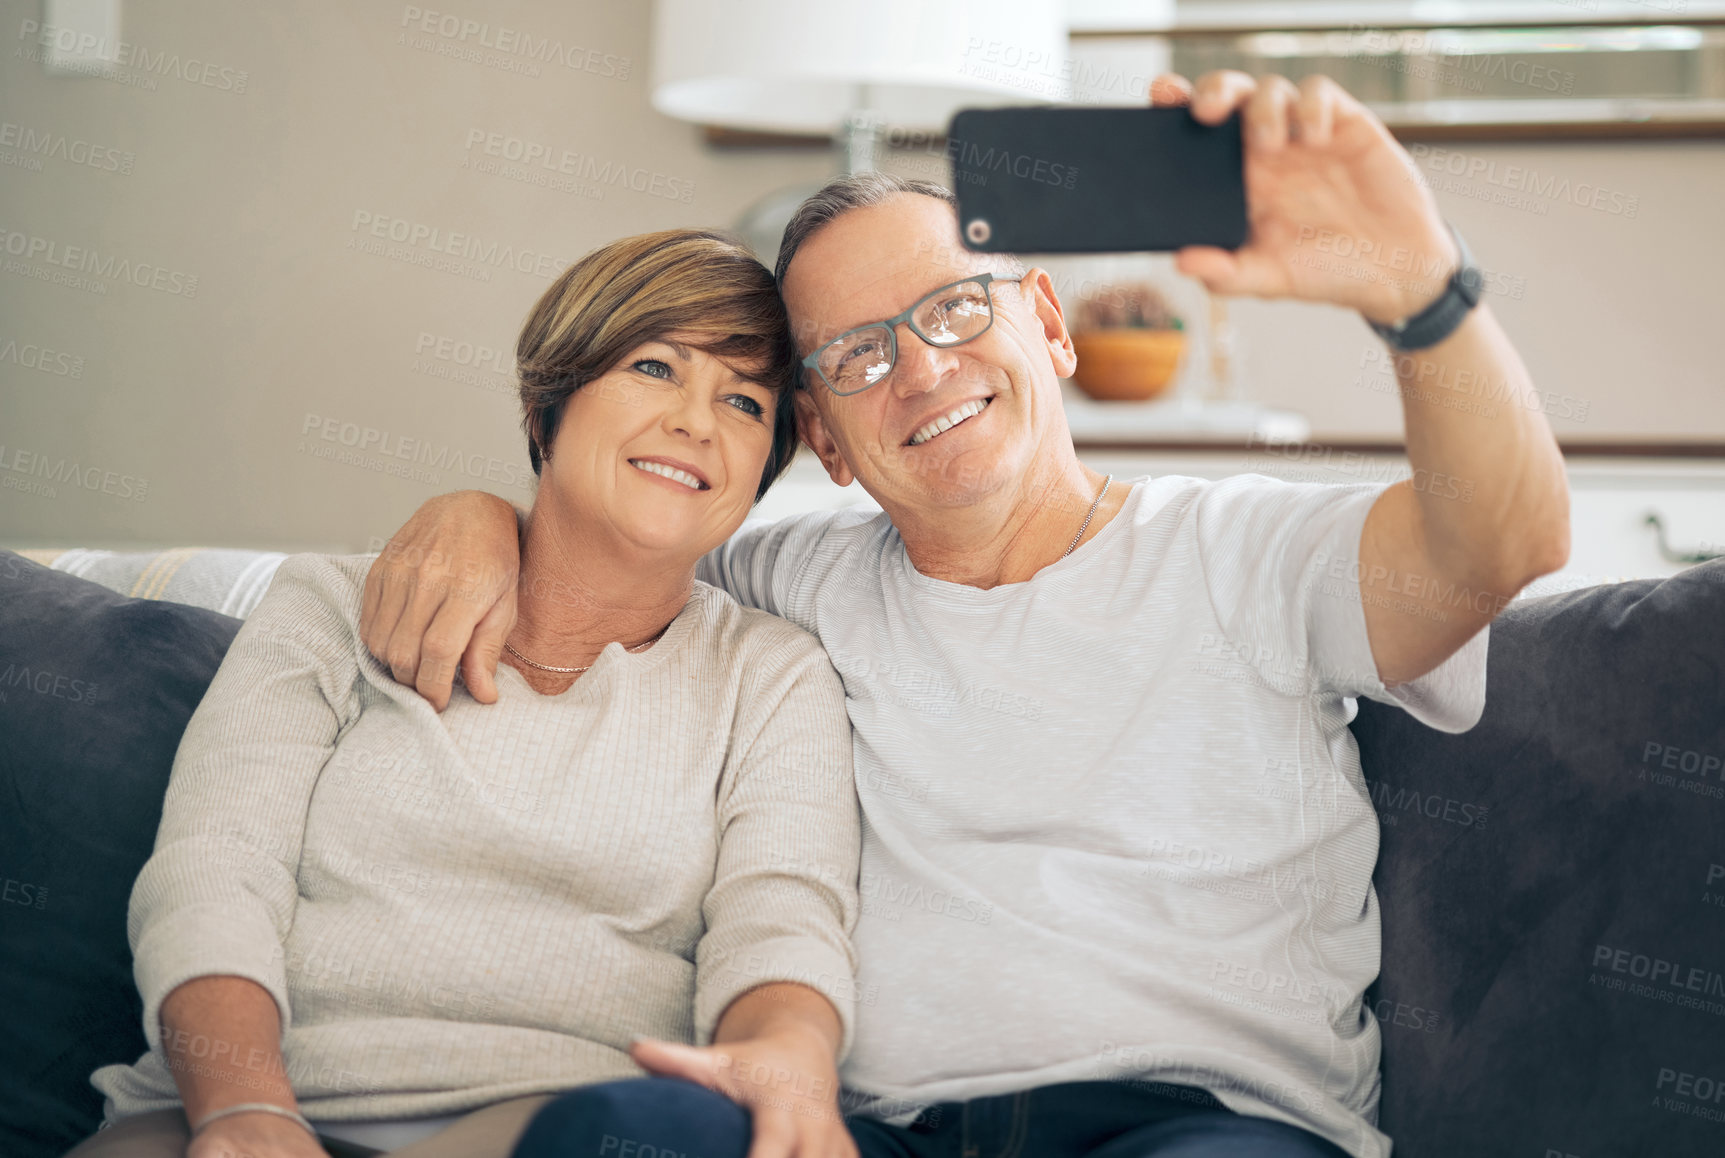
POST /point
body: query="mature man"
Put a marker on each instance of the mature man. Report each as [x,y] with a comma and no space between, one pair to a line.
[1115,822]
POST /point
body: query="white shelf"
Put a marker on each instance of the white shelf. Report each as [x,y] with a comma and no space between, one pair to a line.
[1128,16]
[1179,419]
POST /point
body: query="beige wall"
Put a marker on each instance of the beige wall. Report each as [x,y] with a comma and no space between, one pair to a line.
[256,194]
[1617,317]
[206,398]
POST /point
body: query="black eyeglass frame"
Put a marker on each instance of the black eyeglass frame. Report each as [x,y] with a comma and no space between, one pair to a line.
[891,325]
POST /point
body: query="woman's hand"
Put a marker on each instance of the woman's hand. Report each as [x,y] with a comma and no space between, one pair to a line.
[787,1080]
[774,1053]
[1338,213]
[254,1135]
[441,596]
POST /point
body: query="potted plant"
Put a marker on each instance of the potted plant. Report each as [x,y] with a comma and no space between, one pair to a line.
[1129,343]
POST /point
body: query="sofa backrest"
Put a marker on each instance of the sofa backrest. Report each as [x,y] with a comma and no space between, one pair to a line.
[1552,882]
[95,689]
[1552,886]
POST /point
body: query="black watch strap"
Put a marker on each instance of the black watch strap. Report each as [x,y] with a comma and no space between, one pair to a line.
[1444,316]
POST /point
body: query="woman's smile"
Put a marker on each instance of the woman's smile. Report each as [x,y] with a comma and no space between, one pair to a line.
[672,471]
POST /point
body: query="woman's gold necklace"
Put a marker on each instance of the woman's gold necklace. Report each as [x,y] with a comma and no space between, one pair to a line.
[510,648]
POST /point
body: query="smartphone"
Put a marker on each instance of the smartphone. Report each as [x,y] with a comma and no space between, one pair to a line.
[1096,180]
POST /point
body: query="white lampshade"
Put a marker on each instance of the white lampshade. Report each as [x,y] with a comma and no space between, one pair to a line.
[801,65]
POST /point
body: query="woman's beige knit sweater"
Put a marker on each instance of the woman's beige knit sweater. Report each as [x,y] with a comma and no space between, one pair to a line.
[454,909]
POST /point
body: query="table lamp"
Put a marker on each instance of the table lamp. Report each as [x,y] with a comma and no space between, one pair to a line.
[849,69]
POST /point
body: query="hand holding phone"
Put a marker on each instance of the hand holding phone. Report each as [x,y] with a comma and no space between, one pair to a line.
[1334,208]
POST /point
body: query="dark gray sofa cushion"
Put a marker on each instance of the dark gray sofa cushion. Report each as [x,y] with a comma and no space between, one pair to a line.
[95,689]
[1552,885]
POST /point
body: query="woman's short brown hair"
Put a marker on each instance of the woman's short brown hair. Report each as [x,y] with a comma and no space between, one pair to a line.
[642,288]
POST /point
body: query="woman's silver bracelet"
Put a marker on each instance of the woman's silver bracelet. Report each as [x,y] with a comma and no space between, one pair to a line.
[249,1107]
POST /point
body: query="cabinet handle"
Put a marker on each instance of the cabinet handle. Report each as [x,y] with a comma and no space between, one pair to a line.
[1671,554]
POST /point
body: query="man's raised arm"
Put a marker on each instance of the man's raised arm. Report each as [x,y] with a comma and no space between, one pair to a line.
[1485,513]
[1339,215]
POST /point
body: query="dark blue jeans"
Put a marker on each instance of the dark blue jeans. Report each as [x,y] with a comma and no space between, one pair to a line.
[666,1118]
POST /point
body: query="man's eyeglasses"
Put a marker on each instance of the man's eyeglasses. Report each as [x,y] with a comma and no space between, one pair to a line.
[950,316]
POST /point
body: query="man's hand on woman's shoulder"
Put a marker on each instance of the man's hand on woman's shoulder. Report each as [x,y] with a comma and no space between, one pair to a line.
[441,596]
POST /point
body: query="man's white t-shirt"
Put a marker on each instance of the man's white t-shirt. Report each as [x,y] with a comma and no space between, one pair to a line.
[1114,822]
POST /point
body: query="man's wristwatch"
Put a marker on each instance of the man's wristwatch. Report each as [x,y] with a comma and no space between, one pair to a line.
[1444,316]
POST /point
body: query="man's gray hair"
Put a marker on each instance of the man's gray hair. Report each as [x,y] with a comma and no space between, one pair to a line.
[858,191]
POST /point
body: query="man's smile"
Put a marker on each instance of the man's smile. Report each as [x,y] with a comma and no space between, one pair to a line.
[938,426]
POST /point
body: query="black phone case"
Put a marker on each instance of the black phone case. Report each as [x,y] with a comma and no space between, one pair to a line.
[1096,180]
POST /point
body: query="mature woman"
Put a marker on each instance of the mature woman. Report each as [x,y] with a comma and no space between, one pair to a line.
[370,925]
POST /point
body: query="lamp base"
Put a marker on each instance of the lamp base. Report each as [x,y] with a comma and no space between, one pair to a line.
[762,225]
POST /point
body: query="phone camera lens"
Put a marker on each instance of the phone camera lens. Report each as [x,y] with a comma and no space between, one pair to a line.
[978,231]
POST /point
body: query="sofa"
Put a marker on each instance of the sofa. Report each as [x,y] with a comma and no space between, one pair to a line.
[1551,882]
